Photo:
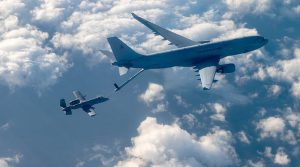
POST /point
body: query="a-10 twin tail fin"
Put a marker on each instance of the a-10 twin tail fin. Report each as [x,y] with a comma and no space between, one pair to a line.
[64,107]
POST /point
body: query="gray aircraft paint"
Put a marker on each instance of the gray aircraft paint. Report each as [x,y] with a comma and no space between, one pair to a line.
[81,102]
[187,56]
[204,56]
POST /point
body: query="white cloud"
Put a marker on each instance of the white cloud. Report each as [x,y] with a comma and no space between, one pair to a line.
[10,7]
[296,89]
[131,5]
[99,154]
[10,161]
[260,74]
[87,28]
[51,11]
[180,101]
[285,128]
[297,9]
[190,120]
[275,90]
[243,137]
[248,6]
[25,60]
[5,126]
[287,70]
[268,152]
[290,137]
[249,67]
[219,110]
[91,23]
[281,157]
[160,107]
[169,145]
[277,9]
[293,119]
[271,127]
[154,92]
[155,96]
[255,164]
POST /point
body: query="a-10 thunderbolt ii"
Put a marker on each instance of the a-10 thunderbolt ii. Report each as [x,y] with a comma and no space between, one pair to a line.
[203,56]
[81,102]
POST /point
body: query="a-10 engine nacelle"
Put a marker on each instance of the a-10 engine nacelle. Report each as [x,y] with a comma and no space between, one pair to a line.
[226,68]
[74,102]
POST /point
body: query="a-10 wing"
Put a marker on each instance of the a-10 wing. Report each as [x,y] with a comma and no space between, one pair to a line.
[87,106]
[79,95]
[94,101]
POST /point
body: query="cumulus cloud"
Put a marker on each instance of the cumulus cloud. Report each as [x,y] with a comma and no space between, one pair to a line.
[285,127]
[219,110]
[290,137]
[268,8]
[255,164]
[5,126]
[180,101]
[287,70]
[243,137]
[271,127]
[10,161]
[188,119]
[155,94]
[169,145]
[99,154]
[297,9]
[91,23]
[275,90]
[53,11]
[11,7]
[268,152]
[246,6]
[293,119]
[281,157]
[24,57]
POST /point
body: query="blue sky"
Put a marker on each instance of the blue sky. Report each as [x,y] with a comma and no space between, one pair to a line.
[50,48]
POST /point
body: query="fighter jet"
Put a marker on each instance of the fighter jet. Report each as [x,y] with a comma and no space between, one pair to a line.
[203,56]
[81,102]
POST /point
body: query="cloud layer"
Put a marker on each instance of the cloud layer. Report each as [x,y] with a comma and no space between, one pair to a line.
[169,145]
[257,107]
[25,59]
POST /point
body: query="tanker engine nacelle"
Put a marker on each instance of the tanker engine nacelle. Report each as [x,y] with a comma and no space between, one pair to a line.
[226,68]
